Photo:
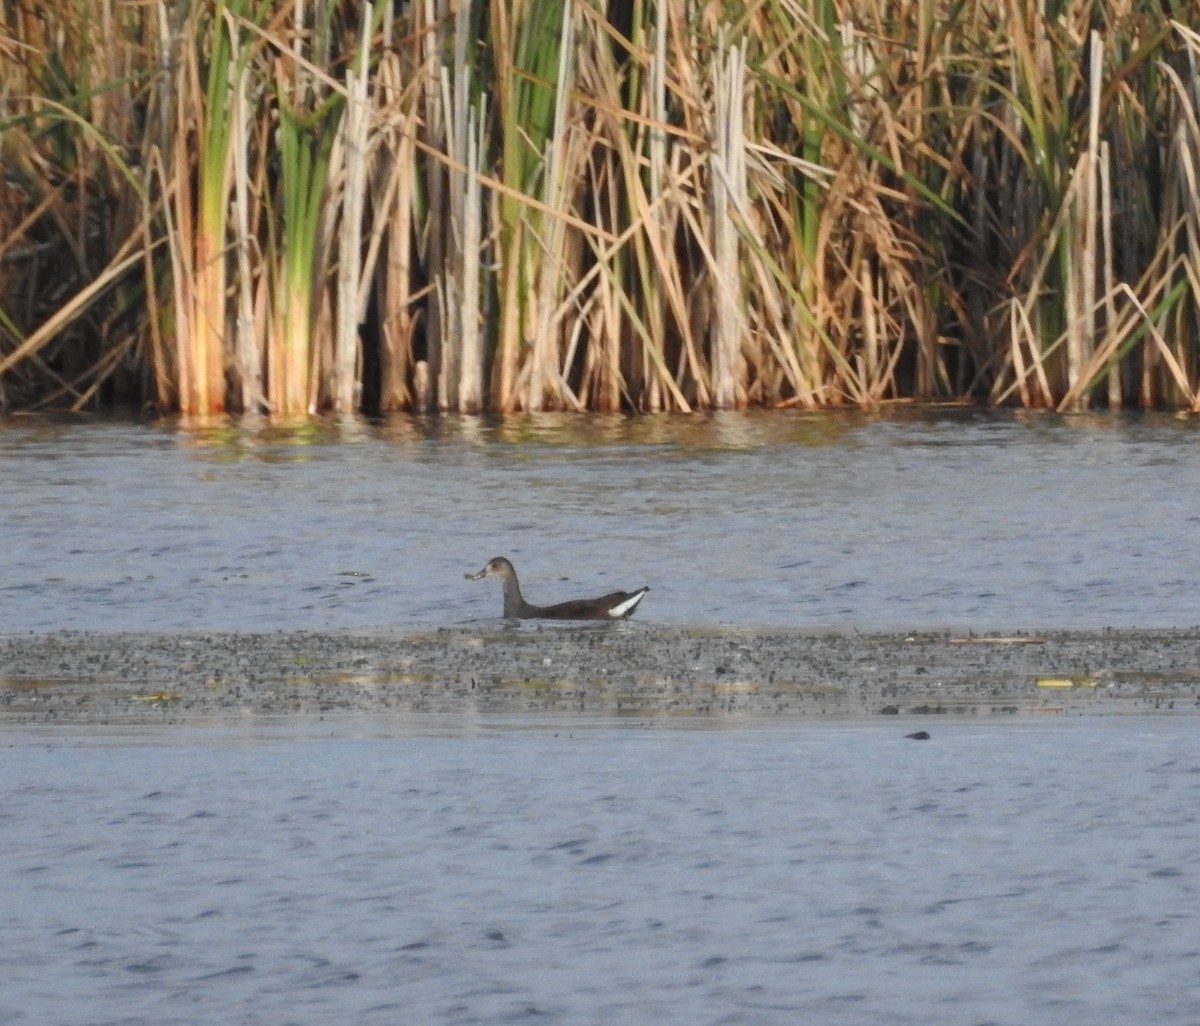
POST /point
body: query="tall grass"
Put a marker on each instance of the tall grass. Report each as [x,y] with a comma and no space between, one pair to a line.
[676,205]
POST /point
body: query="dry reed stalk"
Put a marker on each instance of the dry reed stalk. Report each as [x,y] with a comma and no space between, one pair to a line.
[639,368]
[612,369]
[456,266]
[79,228]
[395,184]
[728,191]
[346,388]
[546,384]
[128,255]
[630,91]
[1183,183]
[917,201]
[510,241]
[661,219]
[249,324]
[470,384]
[672,260]
[1129,322]
[1115,397]
[1081,258]
[154,305]
[460,375]
[431,25]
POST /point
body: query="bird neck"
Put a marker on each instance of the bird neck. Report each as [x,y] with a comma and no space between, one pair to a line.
[513,600]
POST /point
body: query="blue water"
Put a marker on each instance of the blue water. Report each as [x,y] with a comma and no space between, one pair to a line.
[498,870]
[943,518]
[553,872]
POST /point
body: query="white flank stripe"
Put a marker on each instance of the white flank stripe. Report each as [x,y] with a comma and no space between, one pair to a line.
[628,606]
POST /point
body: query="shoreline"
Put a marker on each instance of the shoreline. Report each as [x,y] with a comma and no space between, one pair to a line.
[609,670]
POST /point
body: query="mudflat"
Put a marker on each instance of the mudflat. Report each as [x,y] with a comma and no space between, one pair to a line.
[608,670]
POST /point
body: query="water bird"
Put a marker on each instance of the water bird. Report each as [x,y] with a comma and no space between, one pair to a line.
[617,605]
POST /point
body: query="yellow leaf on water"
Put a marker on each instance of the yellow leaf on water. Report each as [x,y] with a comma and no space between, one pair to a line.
[1065,682]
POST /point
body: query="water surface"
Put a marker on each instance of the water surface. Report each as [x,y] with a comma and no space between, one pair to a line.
[498,870]
[917,518]
[523,872]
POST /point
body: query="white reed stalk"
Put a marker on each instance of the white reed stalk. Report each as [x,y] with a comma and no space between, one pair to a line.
[1110,308]
[658,100]
[347,384]
[434,115]
[449,275]
[1081,309]
[470,384]
[247,361]
[728,192]
[545,375]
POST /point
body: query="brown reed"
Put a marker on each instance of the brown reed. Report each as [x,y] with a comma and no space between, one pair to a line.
[293,208]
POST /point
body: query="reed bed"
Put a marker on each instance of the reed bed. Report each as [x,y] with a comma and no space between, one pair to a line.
[291,208]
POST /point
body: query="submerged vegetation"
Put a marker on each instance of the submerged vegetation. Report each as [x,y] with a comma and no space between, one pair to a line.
[565,204]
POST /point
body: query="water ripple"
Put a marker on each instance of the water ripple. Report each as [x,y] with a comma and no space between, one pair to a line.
[815,872]
[935,519]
